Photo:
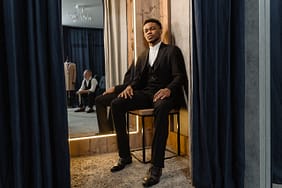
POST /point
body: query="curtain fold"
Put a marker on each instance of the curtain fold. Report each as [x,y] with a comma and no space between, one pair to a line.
[276,90]
[85,48]
[218,93]
[115,41]
[33,117]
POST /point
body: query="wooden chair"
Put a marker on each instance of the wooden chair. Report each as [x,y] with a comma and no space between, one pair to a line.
[143,113]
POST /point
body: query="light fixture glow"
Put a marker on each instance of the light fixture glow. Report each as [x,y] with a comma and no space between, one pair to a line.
[106,135]
[80,14]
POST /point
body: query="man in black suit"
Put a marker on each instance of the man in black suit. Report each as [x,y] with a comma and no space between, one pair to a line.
[159,76]
[103,101]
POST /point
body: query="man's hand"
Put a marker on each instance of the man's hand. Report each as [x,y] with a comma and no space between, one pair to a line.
[109,90]
[127,92]
[162,94]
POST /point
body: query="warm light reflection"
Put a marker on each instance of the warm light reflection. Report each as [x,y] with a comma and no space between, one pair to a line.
[106,135]
[135,33]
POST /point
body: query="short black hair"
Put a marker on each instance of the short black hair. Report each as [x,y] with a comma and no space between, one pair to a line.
[154,21]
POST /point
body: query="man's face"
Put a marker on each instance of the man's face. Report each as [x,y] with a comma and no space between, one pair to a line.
[87,75]
[152,33]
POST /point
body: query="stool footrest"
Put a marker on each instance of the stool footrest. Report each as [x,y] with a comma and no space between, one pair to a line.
[143,160]
[150,113]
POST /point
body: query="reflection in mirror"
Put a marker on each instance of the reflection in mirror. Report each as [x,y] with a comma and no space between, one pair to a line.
[83,49]
[83,46]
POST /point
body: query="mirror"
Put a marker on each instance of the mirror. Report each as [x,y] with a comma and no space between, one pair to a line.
[82,23]
[83,42]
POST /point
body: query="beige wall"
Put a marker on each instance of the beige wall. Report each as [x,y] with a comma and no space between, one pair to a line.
[180,36]
[180,26]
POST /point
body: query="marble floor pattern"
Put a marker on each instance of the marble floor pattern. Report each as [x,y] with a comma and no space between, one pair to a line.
[94,172]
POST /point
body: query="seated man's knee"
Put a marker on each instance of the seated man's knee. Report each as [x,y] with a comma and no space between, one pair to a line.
[117,105]
[163,106]
[98,99]
[114,104]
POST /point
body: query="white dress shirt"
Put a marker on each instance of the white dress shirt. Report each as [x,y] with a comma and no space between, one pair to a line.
[153,53]
[94,84]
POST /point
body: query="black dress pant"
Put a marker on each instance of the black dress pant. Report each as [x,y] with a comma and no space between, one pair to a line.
[87,99]
[104,117]
[142,100]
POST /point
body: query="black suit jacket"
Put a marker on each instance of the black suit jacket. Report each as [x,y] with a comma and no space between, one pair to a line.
[128,77]
[169,66]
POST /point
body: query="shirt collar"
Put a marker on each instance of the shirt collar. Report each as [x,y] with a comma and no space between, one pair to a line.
[156,47]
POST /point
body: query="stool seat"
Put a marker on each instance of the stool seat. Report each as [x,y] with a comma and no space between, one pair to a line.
[149,112]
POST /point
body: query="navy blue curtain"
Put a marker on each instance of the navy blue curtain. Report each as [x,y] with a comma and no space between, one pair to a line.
[218,157]
[276,89]
[33,116]
[85,47]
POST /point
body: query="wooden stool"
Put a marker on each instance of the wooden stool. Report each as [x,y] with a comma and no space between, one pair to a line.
[149,112]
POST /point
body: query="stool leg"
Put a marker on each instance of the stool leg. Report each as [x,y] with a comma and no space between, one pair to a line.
[178,134]
[143,140]
[127,122]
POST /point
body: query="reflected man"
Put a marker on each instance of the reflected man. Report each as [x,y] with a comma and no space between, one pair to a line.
[87,92]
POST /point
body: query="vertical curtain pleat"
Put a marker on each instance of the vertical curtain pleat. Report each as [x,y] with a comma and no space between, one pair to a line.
[218,93]
[33,113]
[276,90]
[5,133]
[115,41]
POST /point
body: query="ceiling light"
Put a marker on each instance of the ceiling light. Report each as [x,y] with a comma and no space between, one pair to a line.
[80,14]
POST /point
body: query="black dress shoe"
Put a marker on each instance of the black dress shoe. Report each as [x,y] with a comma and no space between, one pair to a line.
[152,177]
[122,162]
[90,110]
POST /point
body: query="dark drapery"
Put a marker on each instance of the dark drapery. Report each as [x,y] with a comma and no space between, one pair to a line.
[85,48]
[33,117]
[276,89]
[218,157]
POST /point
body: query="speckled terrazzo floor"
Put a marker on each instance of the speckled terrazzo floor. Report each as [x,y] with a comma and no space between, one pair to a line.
[94,172]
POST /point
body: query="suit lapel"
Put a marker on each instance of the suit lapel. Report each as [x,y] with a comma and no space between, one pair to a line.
[158,59]
[160,54]
[145,60]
